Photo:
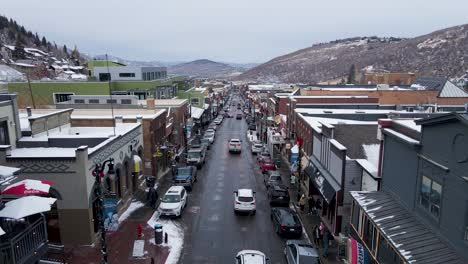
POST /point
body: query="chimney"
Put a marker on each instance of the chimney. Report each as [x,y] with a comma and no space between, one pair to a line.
[29,111]
[150,103]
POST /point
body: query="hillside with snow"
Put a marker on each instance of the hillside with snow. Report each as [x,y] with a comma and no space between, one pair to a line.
[442,53]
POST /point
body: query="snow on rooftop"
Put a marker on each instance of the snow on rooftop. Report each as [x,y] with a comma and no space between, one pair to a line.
[6,171]
[345,111]
[409,123]
[197,112]
[402,136]
[42,152]
[372,153]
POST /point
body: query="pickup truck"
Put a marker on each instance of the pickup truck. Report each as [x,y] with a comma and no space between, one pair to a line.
[196,155]
[186,176]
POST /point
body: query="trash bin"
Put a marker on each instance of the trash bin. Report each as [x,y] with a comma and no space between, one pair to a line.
[158,234]
[278,163]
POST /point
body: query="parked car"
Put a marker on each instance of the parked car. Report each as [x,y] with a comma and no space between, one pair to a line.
[227,115]
[272,177]
[206,142]
[251,257]
[267,165]
[278,195]
[263,155]
[213,126]
[286,222]
[252,127]
[186,176]
[210,135]
[257,147]
[301,252]
[196,156]
[173,202]
[244,201]
[235,145]
[239,116]
[218,121]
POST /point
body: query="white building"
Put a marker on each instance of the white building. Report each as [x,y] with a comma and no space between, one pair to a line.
[129,73]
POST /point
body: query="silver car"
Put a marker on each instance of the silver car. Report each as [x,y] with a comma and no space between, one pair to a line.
[257,147]
[301,252]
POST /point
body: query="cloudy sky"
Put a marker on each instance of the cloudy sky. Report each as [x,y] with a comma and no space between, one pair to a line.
[241,31]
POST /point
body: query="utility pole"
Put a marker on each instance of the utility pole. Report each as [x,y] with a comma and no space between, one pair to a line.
[30,89]
[110,92]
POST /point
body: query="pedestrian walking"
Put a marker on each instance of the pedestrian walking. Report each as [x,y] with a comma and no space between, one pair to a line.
[302,202]
[153,197]
[311,204]
[293,179]
[316,236]
[326,242]
[318,206]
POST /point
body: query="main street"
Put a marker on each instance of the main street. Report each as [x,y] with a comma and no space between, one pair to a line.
[213,233]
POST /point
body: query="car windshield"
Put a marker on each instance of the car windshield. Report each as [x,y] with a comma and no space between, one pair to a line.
[245,199]
[275,178]
[193,155]
[258,145]
[280,193]
[183,171]
[209,134]
[308,259]
[171,198]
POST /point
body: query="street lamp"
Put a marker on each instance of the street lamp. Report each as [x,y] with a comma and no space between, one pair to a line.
[98,173]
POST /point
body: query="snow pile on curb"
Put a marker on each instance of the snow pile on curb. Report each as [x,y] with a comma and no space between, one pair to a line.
[131,208]
[175,235]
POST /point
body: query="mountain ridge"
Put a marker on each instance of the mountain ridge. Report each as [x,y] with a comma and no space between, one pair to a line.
[438,53]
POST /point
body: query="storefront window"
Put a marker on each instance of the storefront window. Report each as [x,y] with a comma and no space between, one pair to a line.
[386,253]
[430,196]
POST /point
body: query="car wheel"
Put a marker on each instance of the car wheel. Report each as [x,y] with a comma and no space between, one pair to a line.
[253,213]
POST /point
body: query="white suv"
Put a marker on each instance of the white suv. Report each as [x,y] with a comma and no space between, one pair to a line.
[235,145]
[257,147]
[251,257]
[173,202]
[244,201]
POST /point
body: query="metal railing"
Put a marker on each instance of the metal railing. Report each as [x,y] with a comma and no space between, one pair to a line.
[22,247]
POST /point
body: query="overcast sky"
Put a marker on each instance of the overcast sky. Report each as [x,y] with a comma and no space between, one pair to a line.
[225,30]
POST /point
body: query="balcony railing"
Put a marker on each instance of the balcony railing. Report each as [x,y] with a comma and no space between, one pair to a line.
[26,246]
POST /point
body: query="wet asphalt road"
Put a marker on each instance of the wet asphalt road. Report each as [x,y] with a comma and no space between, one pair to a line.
[213,233]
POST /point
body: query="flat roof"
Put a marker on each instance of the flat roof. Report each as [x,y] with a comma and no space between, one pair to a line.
[317,122]
[165,102]
[345,111]
[67,131]
[409,236]
[409,123]
[125,113]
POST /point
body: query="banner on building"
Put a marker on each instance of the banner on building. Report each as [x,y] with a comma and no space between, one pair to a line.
[111,218]
[359,254]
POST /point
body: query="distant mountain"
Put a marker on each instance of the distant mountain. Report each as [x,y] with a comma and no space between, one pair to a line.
[443,52]
[205,68]
[28,45]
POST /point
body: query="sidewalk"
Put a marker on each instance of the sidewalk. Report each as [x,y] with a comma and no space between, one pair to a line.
[308,221]
[120,243]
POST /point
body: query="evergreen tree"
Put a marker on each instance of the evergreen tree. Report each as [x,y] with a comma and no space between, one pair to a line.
[352,75]
[19,53]
[75,54]
[23,31]
[44,41]
[11,34]
[37,41]
[65,49]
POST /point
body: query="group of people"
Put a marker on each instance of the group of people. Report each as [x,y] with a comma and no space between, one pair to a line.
[314,206]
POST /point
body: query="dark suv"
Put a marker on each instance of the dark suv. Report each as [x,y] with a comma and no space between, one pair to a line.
[286,222]
[278,195]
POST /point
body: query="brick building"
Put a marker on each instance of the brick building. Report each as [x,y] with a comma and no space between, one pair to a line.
[153,125]
[388,78]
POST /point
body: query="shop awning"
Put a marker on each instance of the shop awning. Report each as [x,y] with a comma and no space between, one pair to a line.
[137,163]
[322,179]
[197,112]
[409,236]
